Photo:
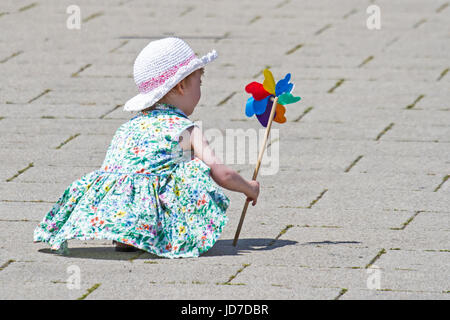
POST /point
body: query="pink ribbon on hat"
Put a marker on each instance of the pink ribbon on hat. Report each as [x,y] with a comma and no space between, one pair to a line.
[153,83]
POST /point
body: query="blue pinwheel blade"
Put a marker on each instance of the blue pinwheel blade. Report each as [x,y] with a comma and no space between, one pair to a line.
[283,86]
[259,106]
[249,112]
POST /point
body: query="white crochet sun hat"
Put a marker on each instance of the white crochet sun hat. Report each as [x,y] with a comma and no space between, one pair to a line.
[159,67]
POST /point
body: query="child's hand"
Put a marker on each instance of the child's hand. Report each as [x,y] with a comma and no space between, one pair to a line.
[253,192]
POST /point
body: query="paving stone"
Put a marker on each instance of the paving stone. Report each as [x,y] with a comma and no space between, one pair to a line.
[381,294]
[208,291]
[360,165]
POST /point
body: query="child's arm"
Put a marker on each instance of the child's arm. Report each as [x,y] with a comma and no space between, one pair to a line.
[222,175]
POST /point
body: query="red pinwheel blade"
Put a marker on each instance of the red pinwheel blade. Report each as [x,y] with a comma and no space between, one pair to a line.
[257,90]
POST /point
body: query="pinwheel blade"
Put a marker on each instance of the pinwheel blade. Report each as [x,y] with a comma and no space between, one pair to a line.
[260,106]
[249,112]
[287,98]
[283,86]
[279,114]
[269,82]
[257,90]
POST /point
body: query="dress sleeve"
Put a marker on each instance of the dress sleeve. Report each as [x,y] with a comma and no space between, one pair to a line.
[181,125]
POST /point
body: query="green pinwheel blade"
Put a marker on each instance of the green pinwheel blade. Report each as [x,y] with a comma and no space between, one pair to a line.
[287,98]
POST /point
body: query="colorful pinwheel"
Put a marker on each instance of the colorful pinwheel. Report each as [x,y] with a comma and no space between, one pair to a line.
[260,104]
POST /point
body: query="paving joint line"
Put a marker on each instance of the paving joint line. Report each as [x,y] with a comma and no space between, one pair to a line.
[379,254]
[389,127]
[411,291]
[323,29]
[280,234]
[89,291]
[412,105]
[93,16]
[32,5]
[337,85]
[442,7]
[7,263]
[15,54]
[341,293]
[237,120]
[353,163]
[253,20]
[411,140]
[260,72]
[443,73]
[226,35]
[391,42]
[75,74]
[303,114]
[18,220]
[228,282]
[353,11]
[221,103]
[216,38]
[137,255]
[30,165]
[27,201]
[419,23]
[110,111]
[282,4]
[317,199]
[323,226]
[124,2]
[405,224]
[67,140]
[186,11]
[39,95]
[443,181]
[367,60]
[290,51]
[123,43]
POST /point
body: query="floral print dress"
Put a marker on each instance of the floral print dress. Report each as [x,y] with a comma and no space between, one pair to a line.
[147,193]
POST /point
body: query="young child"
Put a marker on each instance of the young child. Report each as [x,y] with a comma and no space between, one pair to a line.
[147,193]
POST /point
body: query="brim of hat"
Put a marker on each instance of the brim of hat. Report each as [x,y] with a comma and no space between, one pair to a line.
[145,100]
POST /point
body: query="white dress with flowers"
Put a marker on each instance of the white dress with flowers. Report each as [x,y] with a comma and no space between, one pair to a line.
[146,194]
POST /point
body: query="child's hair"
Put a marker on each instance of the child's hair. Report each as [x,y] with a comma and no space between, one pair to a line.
[202,70]
[187,79]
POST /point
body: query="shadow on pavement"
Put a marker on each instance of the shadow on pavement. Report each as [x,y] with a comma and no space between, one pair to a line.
[226,248]
[221,248]
[100,253]
[330,242]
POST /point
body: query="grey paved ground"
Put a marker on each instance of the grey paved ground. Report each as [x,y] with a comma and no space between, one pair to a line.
[364,158]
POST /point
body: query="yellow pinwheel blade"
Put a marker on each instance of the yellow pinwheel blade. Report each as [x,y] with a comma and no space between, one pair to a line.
[269,82]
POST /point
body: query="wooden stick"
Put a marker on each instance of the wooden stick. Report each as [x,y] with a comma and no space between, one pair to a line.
[258,164]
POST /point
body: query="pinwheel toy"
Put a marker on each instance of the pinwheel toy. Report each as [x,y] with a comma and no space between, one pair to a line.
[261,102]
[267,102]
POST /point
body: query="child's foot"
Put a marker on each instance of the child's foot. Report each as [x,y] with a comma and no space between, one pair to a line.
[122,247]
